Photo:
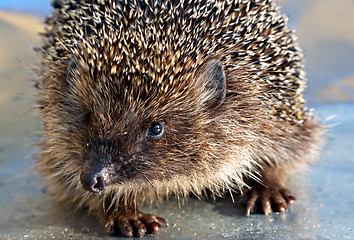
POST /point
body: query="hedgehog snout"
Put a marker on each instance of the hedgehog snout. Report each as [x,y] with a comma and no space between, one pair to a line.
[93,180]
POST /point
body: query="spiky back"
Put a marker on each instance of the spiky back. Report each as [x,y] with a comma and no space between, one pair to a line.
[149,44]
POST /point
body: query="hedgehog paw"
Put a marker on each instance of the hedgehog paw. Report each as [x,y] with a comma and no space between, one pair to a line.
[268,199]
[131,224]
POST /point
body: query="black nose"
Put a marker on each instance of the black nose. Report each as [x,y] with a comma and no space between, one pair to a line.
[92,181]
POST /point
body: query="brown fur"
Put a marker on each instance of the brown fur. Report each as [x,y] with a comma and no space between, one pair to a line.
[101,88]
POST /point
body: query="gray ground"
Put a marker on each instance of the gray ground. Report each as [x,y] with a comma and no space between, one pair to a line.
[324,209]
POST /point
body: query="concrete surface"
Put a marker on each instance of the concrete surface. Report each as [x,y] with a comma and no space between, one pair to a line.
[325,195]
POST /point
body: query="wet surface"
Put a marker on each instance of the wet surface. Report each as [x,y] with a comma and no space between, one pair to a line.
[323,209]
[325,195]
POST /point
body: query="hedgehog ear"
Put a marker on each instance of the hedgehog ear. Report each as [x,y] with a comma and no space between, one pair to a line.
[214,85]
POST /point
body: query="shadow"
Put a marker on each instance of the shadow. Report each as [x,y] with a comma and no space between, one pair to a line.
[230,206]
[226,205]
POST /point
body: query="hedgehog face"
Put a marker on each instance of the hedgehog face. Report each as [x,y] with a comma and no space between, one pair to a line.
[127,134]
[139,149]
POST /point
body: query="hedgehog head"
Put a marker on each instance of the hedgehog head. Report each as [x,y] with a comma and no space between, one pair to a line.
[134,128]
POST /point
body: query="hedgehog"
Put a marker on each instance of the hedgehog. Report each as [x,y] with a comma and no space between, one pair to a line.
[144,100]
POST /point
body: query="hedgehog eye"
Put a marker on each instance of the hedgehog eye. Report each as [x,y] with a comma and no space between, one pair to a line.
[156,130]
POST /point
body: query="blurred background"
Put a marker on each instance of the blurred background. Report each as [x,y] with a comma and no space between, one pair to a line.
[325,30]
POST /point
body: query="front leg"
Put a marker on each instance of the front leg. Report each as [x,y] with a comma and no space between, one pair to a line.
[270,194]
[127,220]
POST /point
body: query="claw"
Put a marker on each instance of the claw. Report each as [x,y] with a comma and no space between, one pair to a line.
[135,224]
[291,199]
[253,196]
[266,207]
[153,227]
[161,220]
[109,227]
[139,228]
[125,228]
[281,207]
[270,199]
